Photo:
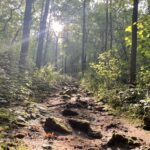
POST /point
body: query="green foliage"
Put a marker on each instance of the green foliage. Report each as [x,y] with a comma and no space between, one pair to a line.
[144,36]
[130,101]
[49,75]
[143,61]
[20,87]
[5,115]
[13,86]
[107,69]
[13,145]
[144,76]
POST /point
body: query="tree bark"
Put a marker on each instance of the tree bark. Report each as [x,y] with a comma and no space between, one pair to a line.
[106,27]
[47,43]
[134,43]
[84,41]
[42,33]
[111,25]
[148,2]
[56,52]
[26,35]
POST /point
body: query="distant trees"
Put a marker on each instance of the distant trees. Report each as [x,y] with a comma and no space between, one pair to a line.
[25,35]
[134,43]
[42,33]
[90,27]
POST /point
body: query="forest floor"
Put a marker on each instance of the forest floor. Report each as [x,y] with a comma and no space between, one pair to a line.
[71,119]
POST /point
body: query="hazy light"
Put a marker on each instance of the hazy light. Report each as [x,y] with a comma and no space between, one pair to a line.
[57,27]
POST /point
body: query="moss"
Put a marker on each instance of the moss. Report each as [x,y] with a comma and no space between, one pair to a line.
[5,115]
[7,145]
[57,125]
[3,127]
[13,146]
[2,135]
[22,147]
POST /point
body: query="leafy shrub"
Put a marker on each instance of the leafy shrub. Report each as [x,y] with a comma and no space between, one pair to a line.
[144,76]
[45,80]
[49,75]
[107,69]
[91,81]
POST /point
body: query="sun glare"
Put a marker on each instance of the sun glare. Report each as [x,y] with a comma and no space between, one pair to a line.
[57,27]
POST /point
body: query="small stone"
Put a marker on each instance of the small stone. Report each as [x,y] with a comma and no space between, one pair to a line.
[100,108]
[20,124]
[3,102]
[21,119]
[47,146]
[78,147]
[20,135]
[65,97]
[68,112]
[68,92]
[94,135]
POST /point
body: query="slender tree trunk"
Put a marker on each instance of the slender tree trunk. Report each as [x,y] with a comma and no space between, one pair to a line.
[111,26]
[84,31]
[42,32]
[62,63]
[65,68]
[16,35]
[106,27]
[134,43]
[25,35]
[47,43]
[42,9]
[148,2]
[56,52]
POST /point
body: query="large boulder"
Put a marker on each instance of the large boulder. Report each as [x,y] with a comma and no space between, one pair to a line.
[66,97]
[146,118]
[57,125]
[146,121]
[121,141]
[84,126]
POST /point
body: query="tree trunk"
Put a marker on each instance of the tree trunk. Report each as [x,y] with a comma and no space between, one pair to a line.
[42,32]
[56,52]
[25,36]
[65,68]
[134,43]
[47,43]
[84,41]
[148,2]
[111,26]
[106,27]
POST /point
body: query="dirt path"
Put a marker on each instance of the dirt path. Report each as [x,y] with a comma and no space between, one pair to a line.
[92,126]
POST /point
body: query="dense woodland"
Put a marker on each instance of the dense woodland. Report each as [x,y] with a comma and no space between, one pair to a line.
[100,48]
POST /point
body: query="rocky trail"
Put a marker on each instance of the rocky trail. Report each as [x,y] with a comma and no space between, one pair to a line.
[71,119]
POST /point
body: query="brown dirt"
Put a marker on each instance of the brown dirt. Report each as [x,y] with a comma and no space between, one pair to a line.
[100,120]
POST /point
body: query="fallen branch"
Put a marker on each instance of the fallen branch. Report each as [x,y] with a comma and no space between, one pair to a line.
[60,104]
